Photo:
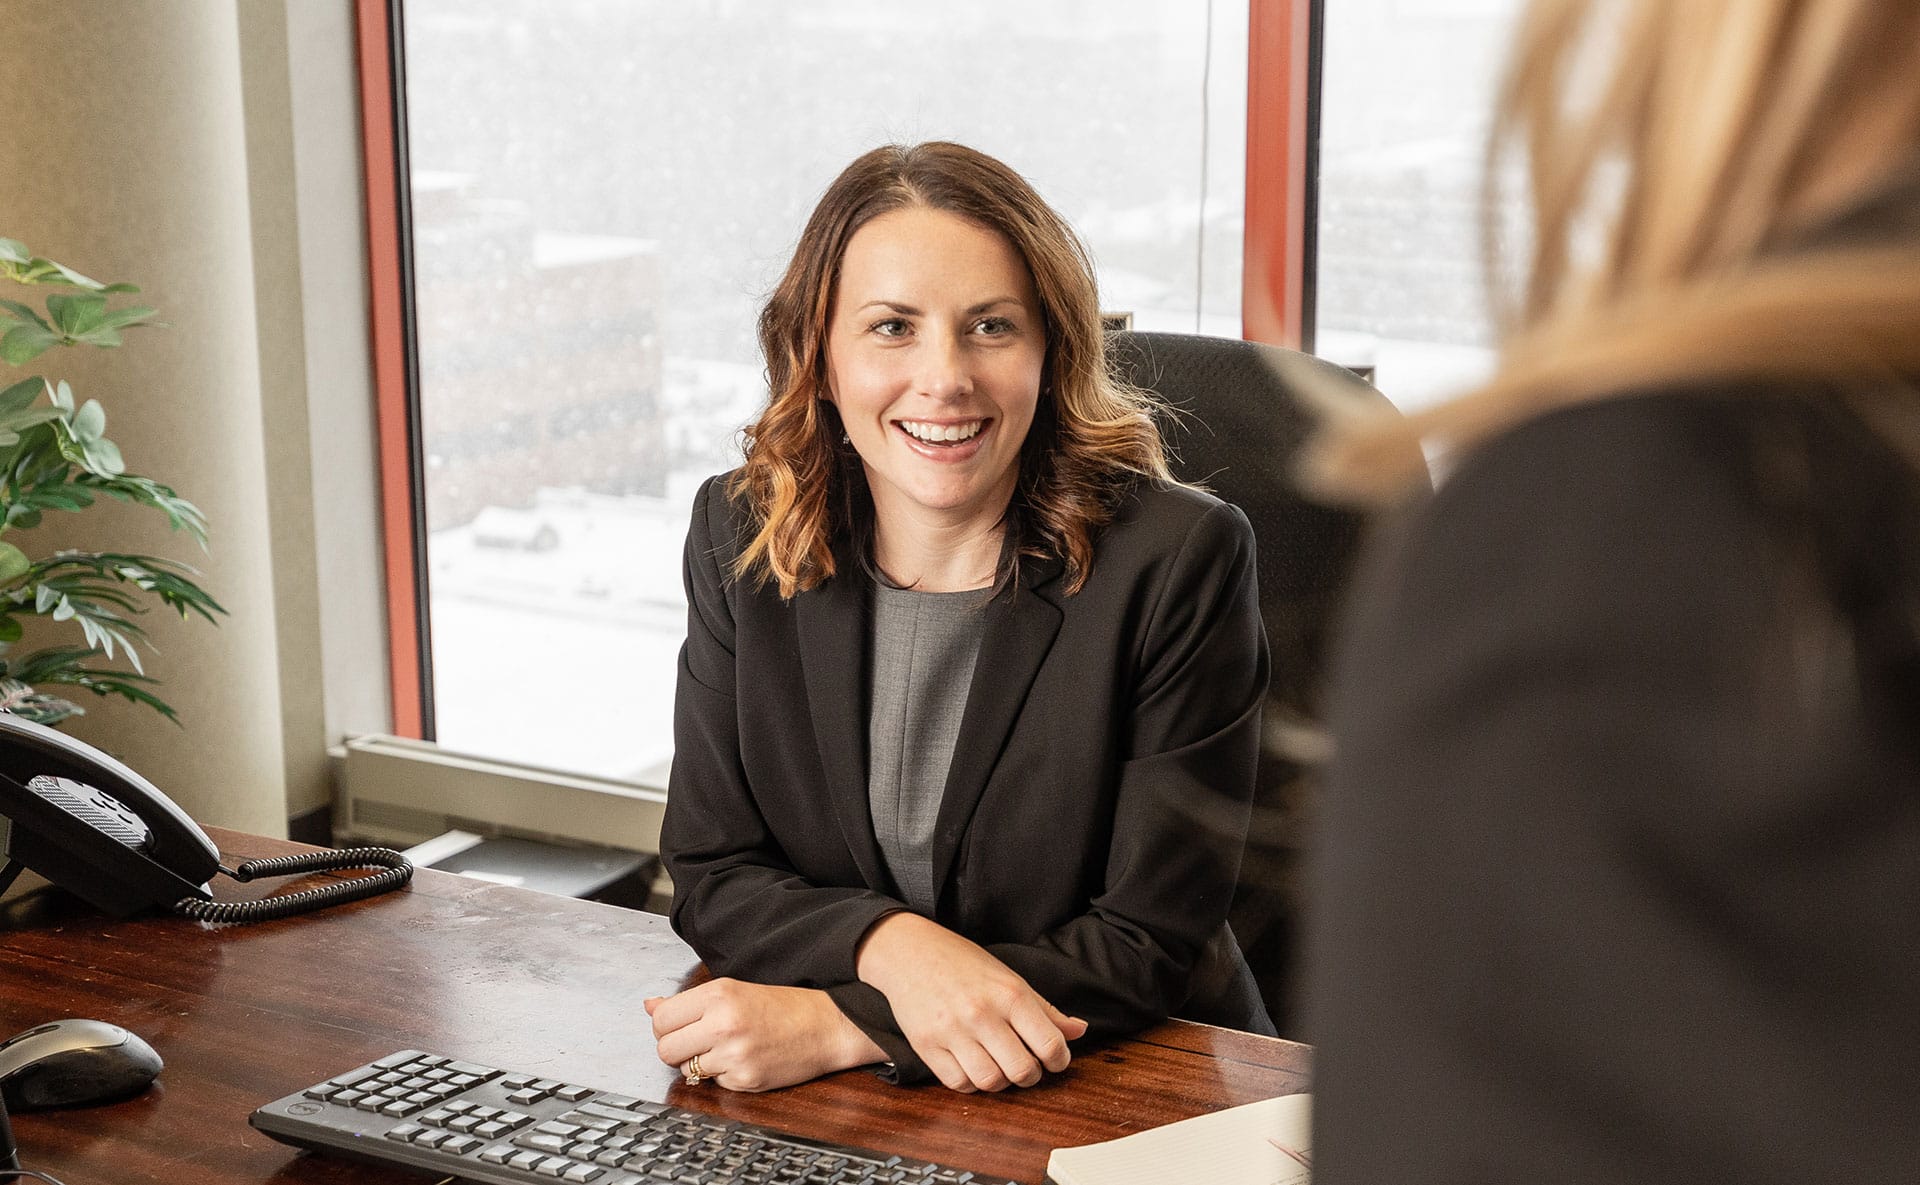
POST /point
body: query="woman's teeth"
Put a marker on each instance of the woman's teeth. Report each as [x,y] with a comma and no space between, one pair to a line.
[941,433]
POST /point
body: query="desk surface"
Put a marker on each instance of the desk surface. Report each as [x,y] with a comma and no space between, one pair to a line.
[505,976]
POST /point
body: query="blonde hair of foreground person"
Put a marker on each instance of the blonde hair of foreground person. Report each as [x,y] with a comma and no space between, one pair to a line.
[1672,151]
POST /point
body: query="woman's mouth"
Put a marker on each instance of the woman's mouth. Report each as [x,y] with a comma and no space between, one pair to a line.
[928,432]
[950,436]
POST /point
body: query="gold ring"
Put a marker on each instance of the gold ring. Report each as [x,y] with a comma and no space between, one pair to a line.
[692,1071]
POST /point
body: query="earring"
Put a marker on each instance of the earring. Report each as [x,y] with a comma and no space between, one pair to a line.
[844,437]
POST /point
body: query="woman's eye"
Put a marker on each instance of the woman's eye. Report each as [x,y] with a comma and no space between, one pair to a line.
[891,327]
[993,326]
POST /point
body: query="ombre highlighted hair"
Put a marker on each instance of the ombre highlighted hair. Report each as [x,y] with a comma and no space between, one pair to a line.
[1681,158]
[1092,435]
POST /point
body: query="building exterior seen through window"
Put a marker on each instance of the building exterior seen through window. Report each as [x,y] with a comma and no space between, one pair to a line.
[603,193]
[1406,91]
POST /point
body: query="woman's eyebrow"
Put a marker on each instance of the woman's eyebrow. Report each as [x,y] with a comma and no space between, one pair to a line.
[984,305]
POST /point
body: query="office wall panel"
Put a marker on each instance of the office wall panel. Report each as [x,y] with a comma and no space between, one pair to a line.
[126,157]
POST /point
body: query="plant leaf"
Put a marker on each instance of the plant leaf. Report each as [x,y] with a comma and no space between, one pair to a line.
[19,699]
[90,422]
[20,421]
[103,458]
[75,314]
[24,343]
[71,276]
[63,396]
[25,312]
[66,665]
[13,251]
[22,394]
[143,491]
[13,563]
[132,315]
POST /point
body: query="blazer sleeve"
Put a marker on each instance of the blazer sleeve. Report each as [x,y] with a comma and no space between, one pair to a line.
[737,899]
[1183,798]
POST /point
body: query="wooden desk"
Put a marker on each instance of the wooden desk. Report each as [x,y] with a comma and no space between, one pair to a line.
[508,977]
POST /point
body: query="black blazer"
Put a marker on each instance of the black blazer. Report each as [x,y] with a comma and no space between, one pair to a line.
[1097,804]
[1620,869]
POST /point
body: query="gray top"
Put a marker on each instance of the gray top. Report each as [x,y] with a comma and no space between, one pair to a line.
[924,646]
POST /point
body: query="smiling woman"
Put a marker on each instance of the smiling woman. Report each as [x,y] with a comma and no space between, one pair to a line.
[967,715]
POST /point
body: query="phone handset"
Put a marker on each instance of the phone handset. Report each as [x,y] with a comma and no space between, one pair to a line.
[91,825]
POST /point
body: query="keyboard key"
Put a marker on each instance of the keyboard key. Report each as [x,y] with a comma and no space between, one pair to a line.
[542,1141]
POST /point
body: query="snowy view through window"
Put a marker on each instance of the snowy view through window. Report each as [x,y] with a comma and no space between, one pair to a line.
[1406,89]
[604,191]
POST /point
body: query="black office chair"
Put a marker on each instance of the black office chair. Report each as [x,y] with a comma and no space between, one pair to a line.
[1240,420]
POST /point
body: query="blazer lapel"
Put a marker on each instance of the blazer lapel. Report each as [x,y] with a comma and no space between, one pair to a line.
[1019,633]
[831,620]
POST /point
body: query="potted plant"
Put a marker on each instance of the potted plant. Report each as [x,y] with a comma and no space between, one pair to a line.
[55,456]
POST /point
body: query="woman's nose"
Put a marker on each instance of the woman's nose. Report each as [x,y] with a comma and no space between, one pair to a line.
[944,372]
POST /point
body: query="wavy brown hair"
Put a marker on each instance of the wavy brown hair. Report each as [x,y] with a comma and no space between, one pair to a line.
[1680,158]
[1092,435]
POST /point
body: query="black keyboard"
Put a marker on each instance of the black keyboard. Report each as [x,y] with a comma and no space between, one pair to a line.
[460,1119]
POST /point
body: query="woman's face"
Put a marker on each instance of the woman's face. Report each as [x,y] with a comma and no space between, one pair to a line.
[935,350]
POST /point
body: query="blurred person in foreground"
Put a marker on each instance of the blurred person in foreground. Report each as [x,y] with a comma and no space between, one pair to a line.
[968,712]
[1620,875]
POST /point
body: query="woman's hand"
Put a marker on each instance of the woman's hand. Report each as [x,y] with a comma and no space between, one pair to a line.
[751,1036]
[976,1024]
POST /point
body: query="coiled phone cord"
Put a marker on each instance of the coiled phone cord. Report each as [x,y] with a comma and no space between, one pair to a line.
[396,869]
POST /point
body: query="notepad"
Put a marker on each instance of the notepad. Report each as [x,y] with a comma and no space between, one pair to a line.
[1263,1143]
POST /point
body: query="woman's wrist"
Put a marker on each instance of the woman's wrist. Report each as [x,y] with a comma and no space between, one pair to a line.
[848,1044]
[878,950]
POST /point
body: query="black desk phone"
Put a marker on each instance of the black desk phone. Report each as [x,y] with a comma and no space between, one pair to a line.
[95,828]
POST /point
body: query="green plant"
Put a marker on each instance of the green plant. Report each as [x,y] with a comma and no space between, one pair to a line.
[55,456]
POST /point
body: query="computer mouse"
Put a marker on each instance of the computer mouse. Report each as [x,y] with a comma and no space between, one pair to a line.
[74,1063]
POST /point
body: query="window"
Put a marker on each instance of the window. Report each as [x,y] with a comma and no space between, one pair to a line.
[603,190]
[1406,91]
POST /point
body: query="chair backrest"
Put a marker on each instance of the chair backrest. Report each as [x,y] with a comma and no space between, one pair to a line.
[1240,421]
